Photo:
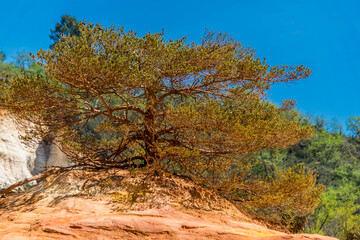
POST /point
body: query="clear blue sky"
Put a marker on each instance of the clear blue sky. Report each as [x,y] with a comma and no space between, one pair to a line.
[323,35]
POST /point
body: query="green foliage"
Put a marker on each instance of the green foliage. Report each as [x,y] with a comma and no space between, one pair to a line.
[22,63]
[335,158]
[7,68]
[2,56]
[353,125]
[334,126]
[115,99]
[339,213]
[148,94]
[285,197]
[68,26]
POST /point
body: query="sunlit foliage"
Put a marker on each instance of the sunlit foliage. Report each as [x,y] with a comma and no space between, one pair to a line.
[336,160]
[115,99]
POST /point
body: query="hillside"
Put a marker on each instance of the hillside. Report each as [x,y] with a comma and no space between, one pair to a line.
[336,159]
[118,204]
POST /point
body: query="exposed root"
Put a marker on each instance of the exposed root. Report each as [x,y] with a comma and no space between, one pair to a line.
[27,180]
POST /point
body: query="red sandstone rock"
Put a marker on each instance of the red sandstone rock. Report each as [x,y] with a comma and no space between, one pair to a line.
[162,209]
[80,218]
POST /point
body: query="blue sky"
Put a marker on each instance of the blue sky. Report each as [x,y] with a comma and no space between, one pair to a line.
[323,35]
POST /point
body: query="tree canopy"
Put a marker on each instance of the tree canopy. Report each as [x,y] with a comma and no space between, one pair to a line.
[353,125]
[199,109]
[2,56]
[115,99]
[68,25]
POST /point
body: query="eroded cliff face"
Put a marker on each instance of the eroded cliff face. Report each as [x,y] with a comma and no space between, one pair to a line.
[19,160]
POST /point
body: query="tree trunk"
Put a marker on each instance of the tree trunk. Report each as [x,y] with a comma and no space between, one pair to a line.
[149,131]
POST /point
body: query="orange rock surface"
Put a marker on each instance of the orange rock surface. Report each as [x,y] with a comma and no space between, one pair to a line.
[62,212]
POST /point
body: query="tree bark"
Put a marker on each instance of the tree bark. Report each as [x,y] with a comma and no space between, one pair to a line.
[149,131]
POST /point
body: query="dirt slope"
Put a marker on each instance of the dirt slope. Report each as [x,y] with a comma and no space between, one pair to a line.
[116,205]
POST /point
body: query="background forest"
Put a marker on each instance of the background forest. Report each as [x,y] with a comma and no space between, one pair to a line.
[335,157]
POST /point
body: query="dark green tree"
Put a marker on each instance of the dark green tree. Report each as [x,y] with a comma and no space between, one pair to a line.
[68,26]
[2,56]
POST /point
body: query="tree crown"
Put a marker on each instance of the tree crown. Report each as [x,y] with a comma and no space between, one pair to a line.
[116,99]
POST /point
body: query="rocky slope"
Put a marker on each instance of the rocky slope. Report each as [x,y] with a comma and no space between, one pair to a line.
[18,160]
[118,204]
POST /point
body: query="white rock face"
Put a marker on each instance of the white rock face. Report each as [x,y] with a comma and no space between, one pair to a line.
[19,161]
